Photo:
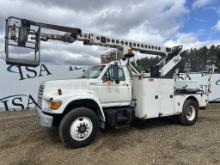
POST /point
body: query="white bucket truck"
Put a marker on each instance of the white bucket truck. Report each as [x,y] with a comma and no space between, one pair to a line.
[109,93]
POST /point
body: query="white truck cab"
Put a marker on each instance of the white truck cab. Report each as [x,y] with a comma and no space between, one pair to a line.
[95,85]
[107,94]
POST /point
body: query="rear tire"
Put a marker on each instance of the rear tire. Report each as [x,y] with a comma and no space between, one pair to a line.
[79,127]
[189,113]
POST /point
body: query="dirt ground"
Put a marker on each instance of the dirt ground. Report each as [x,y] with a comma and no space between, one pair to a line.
[158,141]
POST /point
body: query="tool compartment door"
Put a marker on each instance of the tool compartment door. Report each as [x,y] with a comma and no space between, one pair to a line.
[166,97]
[146,97]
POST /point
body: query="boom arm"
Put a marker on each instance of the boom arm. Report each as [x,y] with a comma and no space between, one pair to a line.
[25,33]
[111,42]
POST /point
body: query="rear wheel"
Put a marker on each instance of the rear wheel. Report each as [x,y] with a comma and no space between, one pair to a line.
[189,113]
[79,127]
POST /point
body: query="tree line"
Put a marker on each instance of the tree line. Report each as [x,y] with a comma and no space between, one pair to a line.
[194,60]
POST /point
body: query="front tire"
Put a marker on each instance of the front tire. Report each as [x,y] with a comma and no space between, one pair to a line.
[189,113]
[79,127]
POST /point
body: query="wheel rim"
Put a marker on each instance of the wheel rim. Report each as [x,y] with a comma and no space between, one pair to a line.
[81,128]
[191,113]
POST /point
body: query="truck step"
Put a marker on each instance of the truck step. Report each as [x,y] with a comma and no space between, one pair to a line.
[119,116]
[122,126]
[121,119]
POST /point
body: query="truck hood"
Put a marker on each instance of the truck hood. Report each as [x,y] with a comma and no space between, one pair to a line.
[69,86]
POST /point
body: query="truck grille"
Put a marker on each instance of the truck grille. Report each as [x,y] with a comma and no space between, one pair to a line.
[40,95]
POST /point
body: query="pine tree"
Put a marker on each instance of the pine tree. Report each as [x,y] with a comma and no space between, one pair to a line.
[194,60]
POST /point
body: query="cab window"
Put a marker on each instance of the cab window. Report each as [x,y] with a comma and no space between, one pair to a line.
[93,72]
[109,74]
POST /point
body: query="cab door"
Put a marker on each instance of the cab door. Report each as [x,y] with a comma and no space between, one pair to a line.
[114,93]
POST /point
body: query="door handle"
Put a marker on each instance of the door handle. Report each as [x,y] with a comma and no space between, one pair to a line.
[125,84]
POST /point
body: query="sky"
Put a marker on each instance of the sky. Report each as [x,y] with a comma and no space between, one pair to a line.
[192,23]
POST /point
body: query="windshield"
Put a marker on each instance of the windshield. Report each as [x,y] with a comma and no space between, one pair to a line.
[93,72]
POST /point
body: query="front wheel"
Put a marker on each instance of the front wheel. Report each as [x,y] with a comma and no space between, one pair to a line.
[79,127]
[189,113]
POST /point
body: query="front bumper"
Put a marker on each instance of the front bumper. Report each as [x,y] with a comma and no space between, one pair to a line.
[45,120]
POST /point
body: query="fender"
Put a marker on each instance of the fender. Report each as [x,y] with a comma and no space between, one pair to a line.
[200,99]
[180,99]
[78,95]
[194,98]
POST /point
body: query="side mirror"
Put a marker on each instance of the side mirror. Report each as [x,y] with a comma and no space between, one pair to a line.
[115,76]
[105,78]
